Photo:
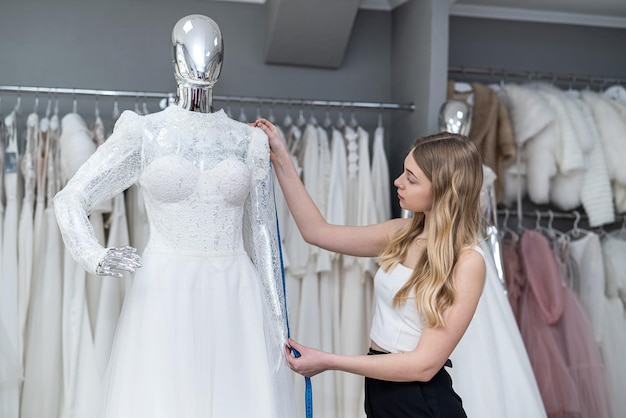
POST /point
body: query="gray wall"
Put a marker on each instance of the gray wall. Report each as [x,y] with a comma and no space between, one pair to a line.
[125,45]
[398,56]
[538,47]
[419,72]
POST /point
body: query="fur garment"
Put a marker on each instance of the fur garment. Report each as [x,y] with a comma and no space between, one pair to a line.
[535,131]
[490,130]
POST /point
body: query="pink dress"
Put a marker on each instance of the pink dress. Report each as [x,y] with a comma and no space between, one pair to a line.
[557,334]
[538,306]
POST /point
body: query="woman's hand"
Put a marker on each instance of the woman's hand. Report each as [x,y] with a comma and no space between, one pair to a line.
[310,362]
[277,144]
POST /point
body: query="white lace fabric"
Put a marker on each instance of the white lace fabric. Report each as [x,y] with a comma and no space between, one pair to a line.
[203,178]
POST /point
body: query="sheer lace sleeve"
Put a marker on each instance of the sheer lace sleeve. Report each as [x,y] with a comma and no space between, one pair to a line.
[114,167]
[262,236]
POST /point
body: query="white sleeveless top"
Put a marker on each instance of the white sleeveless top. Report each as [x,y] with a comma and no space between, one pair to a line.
[396,329]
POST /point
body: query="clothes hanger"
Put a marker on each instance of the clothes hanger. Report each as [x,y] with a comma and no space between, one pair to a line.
[36,105]
[353,123]
[137,109]
[327,122]
[576,232]
[55,114]
[341,122]
[312,119]
[288,121]
[553,232]
[97,108]
[116,110]
[48,106]
[538,226]
[243,118]
[301,121]
[229,111]
[271,116]
[506,230]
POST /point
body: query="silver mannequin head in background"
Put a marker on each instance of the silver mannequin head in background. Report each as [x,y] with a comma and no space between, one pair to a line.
[455,116]
[198,50]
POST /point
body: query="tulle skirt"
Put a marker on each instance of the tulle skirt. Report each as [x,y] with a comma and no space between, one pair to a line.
[191,342]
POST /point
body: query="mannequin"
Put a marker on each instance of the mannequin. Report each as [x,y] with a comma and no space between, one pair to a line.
[455,116]
[196,74]
[202,330]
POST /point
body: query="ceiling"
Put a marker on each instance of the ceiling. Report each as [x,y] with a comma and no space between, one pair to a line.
[607,8]
[585,7]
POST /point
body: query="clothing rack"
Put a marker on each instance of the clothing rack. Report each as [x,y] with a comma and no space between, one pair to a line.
[551,215]
[544,214]
[504,74]
[167,97]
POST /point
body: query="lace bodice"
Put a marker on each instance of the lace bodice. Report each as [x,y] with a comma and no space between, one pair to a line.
[206,183]
[201,179]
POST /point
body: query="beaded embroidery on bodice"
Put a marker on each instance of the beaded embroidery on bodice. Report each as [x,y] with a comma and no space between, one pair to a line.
[200,176]
[200,173]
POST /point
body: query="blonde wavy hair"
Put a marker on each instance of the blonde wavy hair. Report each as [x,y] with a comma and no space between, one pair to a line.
[453,165]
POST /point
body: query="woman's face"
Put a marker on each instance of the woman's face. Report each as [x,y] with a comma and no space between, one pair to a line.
[414,188]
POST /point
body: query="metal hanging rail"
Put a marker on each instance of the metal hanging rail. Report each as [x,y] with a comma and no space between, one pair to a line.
[535,75]
[575,214]
[236,99]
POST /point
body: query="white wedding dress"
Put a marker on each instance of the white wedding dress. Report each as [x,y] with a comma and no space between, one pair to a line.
[202,330]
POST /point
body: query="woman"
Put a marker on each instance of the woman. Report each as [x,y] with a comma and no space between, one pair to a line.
[431,276]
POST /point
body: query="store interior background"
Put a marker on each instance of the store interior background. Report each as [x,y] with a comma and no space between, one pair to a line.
[393,52]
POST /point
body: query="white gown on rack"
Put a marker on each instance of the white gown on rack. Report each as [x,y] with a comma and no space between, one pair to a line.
[326,388]
[43,380]
[26,235]
[308,328]
[336,214]
[605,309]
[380,177]
[201,333]
[353,311]
[491,370]
[82,384]
[10,392]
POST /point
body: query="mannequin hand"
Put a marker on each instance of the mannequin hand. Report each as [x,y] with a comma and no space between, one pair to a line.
[310,362]
[118,258]
[277,144]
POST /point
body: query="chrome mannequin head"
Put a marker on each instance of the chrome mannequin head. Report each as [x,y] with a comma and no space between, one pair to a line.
[455,116]
[198,50]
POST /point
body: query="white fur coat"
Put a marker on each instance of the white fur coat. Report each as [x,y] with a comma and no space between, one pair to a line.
[535,132]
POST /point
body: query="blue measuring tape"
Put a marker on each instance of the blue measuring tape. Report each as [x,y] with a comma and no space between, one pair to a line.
[308,389]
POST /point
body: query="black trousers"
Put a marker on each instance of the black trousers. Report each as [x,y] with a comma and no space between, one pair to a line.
[432,399]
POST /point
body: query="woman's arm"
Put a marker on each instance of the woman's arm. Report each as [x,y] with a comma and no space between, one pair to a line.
[433,349]
[362,241]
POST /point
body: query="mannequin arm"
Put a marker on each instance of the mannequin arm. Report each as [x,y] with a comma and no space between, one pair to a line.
[261,233]
[114,167]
